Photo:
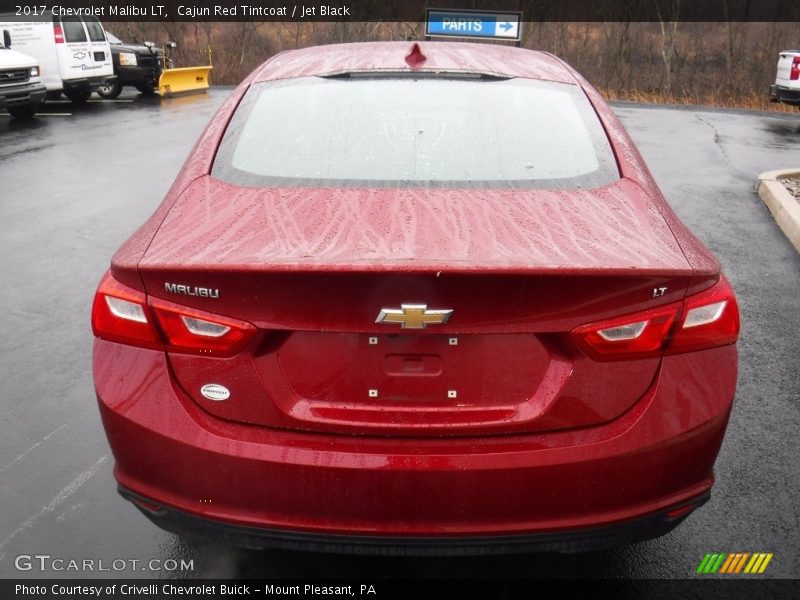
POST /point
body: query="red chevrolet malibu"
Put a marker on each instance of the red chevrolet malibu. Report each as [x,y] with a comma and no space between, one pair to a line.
[415,298]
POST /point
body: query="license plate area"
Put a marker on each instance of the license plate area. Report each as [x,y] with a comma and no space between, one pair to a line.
[415,371]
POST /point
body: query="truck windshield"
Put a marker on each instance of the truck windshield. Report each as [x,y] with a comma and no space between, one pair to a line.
[401,131]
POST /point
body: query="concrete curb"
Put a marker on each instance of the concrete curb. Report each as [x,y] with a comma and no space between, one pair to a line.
[783,206]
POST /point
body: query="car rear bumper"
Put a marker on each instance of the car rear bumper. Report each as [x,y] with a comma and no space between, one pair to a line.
[786,95]
[630,479]
[27,93]
[581,540]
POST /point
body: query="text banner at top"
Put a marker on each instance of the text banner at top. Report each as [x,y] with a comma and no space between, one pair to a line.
[406,10]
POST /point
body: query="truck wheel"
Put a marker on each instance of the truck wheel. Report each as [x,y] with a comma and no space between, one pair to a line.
[110,91]
[78,96]
[146,90]
[26,111]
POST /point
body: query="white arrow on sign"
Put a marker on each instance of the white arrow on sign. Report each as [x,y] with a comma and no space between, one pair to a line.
[506,29]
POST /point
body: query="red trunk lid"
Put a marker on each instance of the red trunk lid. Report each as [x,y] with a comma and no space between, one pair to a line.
[313,268]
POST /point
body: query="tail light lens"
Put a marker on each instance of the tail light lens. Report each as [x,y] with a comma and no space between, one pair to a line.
[710,318]
[190,330]
[633,336]
[58,33]
[705,320]
[122,314]
[794,73]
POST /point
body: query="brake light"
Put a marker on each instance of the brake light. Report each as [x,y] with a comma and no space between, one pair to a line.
[120,314]
[794,73]
[633,336]
[190,330]
[711,318]
[125,315]
[58,33]
[704,320]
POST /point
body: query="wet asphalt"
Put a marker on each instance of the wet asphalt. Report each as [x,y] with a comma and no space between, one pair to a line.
[77,181]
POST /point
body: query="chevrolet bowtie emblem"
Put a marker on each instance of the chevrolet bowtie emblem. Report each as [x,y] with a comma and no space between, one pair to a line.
[413,316]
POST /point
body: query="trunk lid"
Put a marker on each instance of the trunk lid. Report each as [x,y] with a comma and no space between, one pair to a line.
[313,269]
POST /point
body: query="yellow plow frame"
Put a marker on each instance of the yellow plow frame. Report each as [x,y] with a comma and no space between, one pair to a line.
[184,80]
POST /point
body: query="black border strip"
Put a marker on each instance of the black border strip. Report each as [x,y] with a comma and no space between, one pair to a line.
[416,589]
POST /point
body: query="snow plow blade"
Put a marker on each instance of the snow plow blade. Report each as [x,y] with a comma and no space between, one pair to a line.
[185,80]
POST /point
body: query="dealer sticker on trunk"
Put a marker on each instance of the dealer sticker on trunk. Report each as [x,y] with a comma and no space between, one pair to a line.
[215,392]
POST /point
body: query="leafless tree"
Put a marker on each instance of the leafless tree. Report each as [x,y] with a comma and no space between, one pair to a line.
[669,33]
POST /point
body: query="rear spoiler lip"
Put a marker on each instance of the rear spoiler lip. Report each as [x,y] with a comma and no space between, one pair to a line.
[414,267]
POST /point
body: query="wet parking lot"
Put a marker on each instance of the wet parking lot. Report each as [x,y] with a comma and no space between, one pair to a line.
[77,181]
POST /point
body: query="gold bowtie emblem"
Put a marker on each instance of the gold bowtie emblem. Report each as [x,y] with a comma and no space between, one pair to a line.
[413,316]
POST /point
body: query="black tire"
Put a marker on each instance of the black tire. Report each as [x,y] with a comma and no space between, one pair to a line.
[24,112]
[78,96]
[146,90]
[110,91]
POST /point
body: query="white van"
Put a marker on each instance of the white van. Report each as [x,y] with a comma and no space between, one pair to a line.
[72,52]
[21,90]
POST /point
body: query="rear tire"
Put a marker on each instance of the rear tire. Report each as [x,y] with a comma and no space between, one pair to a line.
[78,96]
[110,91]
[24,112]
[146,90]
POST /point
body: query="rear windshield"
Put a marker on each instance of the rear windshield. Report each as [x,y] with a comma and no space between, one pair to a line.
[73,29]
[95,29]
[415,131]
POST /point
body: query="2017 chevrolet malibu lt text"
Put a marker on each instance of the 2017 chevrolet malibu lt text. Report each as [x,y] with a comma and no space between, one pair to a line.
[418,298]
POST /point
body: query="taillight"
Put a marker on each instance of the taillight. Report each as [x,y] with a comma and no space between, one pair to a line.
[794,73]
[125,315]
[120,314]
[190,330]
[704,320]
[710,318]
[633,336]
[58,33]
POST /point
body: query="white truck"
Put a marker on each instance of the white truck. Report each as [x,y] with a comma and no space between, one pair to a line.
[21,89]
[72,52]
[786,88]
